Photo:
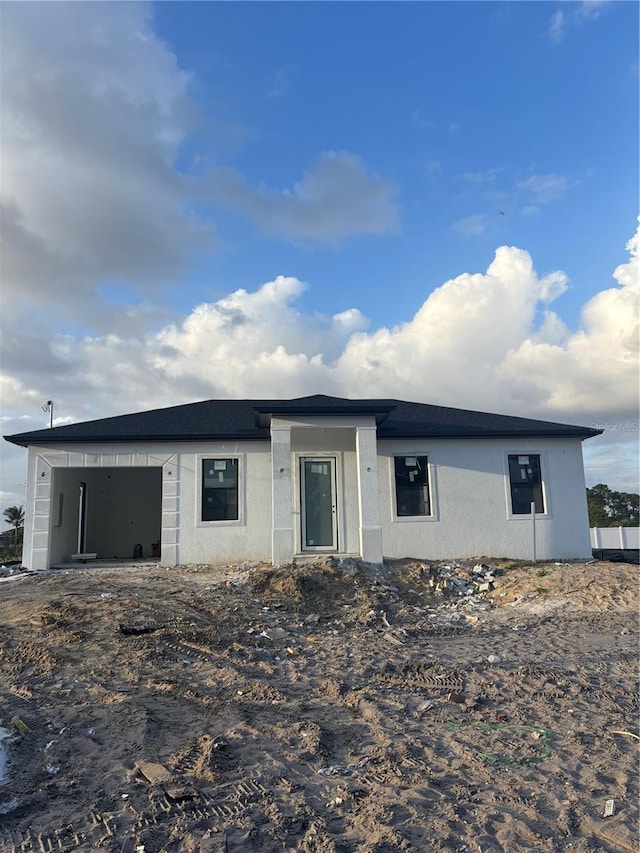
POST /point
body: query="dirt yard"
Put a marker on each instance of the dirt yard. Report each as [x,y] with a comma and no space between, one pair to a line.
[323,708]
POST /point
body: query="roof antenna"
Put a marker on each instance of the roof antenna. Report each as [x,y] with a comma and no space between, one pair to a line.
[49,408]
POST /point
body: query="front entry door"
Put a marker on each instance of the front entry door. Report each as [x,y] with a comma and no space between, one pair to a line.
[318,501]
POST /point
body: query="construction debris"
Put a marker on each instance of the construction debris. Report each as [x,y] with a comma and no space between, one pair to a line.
[463,586]
[17,723]
[153,772]
[460,579]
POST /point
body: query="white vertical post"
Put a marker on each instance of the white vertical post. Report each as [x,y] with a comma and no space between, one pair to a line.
[623,543]
[368,497]
[282,547]
[533,531]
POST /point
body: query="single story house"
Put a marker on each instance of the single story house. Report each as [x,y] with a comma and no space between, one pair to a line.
[232,480]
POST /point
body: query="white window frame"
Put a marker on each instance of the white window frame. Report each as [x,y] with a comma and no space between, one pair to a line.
[542,455]
[431,484]
[242,490]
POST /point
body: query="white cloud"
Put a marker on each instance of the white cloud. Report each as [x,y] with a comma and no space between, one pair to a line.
[599,362]
[451,350]
[556,27]
[483,177]
[95,108]
[552,330]
[544,188]
[472,226]
[587,10]
[254,334]
[476,342]
[95,113]
[591,8]
[336,199]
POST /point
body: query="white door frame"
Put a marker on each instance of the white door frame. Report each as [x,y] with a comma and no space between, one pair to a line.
[332,460]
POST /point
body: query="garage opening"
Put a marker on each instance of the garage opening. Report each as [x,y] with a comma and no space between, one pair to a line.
[115,513]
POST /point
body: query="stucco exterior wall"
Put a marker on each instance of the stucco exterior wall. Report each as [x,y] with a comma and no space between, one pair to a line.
[469,489]
[471,508]
[248,538]
[337,443]
[350,441]
[184,537]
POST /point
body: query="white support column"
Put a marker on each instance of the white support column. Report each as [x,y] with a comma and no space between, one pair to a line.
[170,533]
[368,497]
[29,510]
[281,494]
[35,547]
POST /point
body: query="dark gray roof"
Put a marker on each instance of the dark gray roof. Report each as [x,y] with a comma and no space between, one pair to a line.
[249,420]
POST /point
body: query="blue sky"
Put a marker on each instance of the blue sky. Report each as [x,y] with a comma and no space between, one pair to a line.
[272,199]
[466,108]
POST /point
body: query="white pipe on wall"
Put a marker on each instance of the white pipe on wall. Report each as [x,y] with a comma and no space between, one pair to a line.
[533,531]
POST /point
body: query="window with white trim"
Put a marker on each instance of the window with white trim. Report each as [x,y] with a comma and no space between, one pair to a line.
[220,490]
[412,486]
[525,480]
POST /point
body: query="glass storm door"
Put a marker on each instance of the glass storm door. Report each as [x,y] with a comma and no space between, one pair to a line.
[318,482]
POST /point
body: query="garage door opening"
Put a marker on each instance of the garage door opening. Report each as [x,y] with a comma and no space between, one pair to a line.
[115,513]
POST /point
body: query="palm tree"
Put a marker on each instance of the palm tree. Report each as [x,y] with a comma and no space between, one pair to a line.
[15,517]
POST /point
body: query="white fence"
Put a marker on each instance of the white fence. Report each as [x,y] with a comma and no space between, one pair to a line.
[615,538]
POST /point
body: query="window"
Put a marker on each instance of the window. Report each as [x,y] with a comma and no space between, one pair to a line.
[219,489]
[526,484]
[412,486]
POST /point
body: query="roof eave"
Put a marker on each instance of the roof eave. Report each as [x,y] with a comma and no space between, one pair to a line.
[581,434]
[261,434]
[26,440]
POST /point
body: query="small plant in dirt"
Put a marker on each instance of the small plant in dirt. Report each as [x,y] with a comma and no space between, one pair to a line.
[513,564]
[11,544]
[542,573]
